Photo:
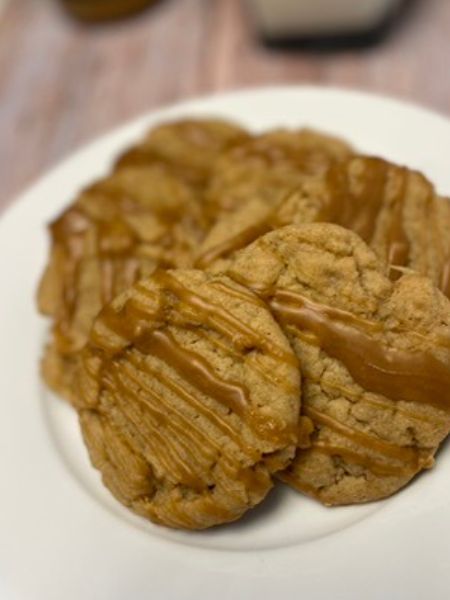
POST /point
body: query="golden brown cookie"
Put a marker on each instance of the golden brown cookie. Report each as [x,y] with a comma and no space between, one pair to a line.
[188,146]
[268,166]
[374,357]
[188,398]
[118,231]
[394,209]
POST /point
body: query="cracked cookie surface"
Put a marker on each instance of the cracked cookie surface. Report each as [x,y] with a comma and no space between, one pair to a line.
[394,209]
[188,398]
[374,356]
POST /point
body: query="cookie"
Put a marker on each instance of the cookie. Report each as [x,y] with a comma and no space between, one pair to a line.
[188,146]
[118,231]
[394,209]
[374,356]
[188,398]
[268,166]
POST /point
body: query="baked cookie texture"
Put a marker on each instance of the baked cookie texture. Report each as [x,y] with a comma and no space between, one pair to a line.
[148,213]
[188,398]
[394,209]
[189,147]
[186,386]
[374,356]
[118,231]
[268,166]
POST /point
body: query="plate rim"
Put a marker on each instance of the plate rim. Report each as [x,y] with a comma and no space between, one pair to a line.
[396,101]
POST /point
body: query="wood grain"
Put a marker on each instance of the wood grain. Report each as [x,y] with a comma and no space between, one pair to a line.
[62,84]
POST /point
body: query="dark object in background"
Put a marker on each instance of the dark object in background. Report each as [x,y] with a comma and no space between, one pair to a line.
[345,40]
[325,25]
[104,10]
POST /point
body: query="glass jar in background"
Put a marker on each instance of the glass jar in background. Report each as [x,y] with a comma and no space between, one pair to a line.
[104,10]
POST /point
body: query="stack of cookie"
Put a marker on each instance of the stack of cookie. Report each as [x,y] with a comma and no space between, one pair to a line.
[231,308]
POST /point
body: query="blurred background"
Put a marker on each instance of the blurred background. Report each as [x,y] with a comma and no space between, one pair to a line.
[72,69]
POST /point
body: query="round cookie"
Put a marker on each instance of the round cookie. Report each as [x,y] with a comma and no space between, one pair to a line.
[268,166]
[188,398]
[188,146]
[118,231]
[374,357]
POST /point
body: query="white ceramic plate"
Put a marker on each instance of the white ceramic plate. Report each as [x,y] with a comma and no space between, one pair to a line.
[62,536]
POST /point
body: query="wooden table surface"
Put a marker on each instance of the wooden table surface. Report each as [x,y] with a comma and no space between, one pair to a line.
[62,84]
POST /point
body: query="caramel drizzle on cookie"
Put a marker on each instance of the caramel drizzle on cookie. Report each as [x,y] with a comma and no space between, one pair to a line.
[397,374]
[223,321]
[194,369]
[366,440]
[112,246]
[188,444]
[171,452]
[180,391]
[296,480]
[374,466]
[129,323]
[358,212]
[176,422]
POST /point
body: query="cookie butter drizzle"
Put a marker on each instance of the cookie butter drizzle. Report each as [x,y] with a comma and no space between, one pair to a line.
[357,212]
[386,449]
[129,325]
[114,245]
[397,374]
[189,399]
[186,453]
[195,369]
[222,320]
[114,253]
[182,431]
[376,467]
